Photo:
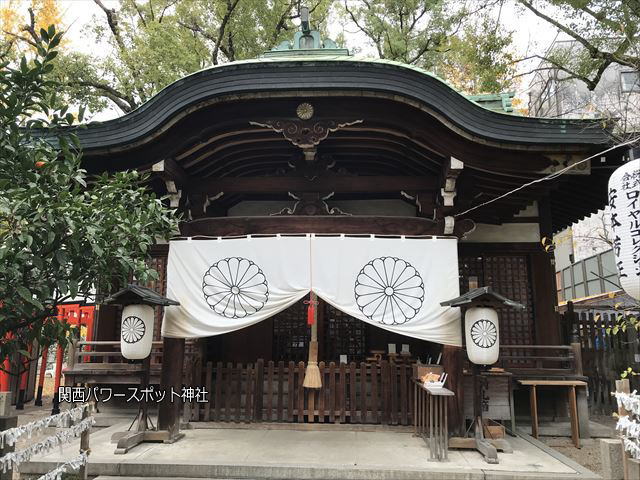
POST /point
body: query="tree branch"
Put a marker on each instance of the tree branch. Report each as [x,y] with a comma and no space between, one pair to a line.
[112,21]
[124,102]
[142,19]
[594,51]
[221,30]
[374,38]
[23,39]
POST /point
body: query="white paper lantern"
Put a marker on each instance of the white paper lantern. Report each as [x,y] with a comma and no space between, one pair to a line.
[624,202]
[482,334]
[136,331]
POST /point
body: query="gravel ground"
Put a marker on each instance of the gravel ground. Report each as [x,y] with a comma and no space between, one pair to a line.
[589,455]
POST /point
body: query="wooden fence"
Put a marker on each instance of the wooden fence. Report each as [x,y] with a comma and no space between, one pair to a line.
[604,355]
[273,392]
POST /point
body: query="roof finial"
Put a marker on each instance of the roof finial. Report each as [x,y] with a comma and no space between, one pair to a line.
[304,19]
[306,41]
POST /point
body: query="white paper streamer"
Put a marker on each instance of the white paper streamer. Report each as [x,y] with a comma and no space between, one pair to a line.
[632,447]
[14,459]
[628,426]
[11,436]
[70,465]
[630,401]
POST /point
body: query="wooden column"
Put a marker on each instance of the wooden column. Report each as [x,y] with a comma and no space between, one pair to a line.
[171,376]
[452,361]
[543,276]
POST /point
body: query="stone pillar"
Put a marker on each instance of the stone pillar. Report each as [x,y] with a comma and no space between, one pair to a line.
[634,468]
[611,454]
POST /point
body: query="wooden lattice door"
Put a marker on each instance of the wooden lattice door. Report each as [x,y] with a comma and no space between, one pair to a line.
[291,334]
[343,335]
[509,275]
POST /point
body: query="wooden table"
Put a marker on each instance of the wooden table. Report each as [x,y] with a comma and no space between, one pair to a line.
[573,408]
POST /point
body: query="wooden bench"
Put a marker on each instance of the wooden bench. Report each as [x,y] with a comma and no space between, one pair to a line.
[573,409]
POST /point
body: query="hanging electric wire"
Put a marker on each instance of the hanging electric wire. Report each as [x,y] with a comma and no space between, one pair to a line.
[550,176]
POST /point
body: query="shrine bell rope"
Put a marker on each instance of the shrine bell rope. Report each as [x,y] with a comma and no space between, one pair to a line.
[312,378]
[550,176]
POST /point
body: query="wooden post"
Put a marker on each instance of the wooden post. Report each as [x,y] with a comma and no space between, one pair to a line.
[171,377]
[574,335]
[533,398]
[58,375]
[577,357]
[624,387]
[144,383]
[84,442]
[73,353]
[43,369]
[452,361]
[259,391]
[573,409]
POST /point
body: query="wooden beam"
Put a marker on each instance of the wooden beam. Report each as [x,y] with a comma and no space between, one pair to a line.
[170,171]
[357,225]
[452,169]
[338,184]
[453,361]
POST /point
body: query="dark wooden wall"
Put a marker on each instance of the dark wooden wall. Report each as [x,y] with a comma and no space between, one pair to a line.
[286,336]
[522,272]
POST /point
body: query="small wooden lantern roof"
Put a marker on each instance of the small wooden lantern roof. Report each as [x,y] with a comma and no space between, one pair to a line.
[482,295]
[136,294]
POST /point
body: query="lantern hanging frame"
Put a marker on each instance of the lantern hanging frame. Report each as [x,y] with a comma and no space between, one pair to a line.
[144,431]
[488,298]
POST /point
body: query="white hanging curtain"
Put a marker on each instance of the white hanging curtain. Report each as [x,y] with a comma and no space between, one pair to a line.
[393,283]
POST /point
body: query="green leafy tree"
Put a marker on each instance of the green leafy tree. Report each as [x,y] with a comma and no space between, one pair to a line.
[63,235]
[605,30]
[144,45]
[458,40]
[408,31]
[481,59]
[150,44]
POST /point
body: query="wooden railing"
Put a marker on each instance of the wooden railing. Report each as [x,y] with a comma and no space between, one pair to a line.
[430,419]
[273,392]
[545,360]
[91,354]
[606,355]
[104,364]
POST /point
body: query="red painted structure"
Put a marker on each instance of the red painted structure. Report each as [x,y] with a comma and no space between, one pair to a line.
[5,382]
[73,314]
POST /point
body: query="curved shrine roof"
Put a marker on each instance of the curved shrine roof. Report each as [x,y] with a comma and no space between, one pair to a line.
[326,75]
